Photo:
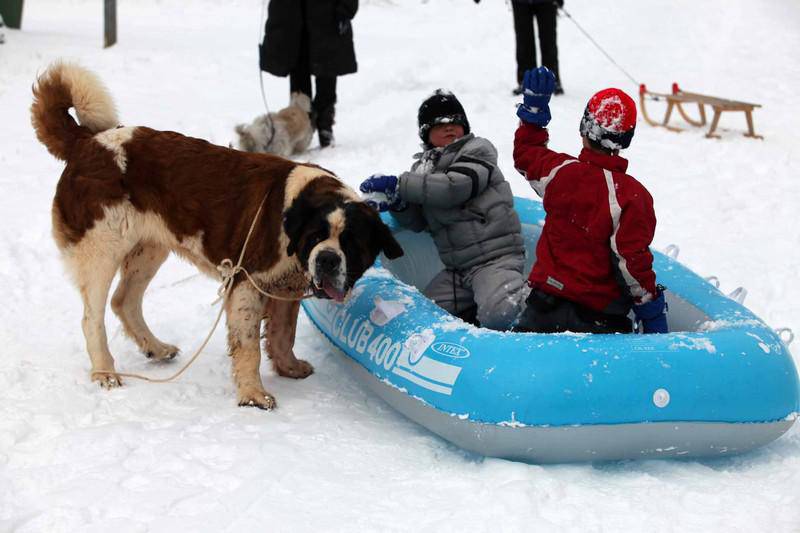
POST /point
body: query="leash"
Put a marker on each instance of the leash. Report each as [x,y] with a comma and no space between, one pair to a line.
[595,43]
[228,272]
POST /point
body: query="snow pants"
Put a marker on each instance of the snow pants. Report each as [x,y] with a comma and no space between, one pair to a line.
[493,293]
[545,313]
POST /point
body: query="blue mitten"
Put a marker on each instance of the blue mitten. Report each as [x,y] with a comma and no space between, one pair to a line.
[538,86]
[380,202]
[381,192]
[379,183]
[653,314]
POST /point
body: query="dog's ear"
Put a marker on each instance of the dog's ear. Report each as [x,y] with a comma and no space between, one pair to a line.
[246,141]
[391,248]
[293,220]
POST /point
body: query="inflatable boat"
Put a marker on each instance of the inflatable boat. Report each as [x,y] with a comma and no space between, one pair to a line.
[722,382]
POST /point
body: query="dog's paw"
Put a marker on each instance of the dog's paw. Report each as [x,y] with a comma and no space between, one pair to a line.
[107,380]
[298,369]
[161,352]
[262,400]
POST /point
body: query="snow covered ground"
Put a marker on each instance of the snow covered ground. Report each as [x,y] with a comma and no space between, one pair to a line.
[332,456]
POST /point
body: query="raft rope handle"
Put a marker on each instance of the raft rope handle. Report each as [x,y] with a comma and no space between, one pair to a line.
[672,251]
[738,295]
[786,335]
[228,273]
[713,280]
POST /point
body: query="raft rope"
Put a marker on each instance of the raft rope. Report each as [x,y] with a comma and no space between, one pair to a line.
[228,272]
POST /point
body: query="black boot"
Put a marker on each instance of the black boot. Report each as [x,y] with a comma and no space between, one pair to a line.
[325,138]
[325,121]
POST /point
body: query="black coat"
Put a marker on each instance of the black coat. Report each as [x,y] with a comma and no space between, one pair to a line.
[325,26]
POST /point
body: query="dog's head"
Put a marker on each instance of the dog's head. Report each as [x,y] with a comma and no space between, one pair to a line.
[335,237]
[255,137]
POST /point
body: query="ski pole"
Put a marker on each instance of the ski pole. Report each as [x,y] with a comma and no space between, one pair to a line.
[570,17]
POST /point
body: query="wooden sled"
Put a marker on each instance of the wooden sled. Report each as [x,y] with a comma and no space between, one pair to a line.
[679,97]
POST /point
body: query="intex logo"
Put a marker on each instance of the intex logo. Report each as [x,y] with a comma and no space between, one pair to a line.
[450,349]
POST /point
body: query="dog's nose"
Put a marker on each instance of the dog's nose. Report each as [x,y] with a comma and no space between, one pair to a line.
[328,262]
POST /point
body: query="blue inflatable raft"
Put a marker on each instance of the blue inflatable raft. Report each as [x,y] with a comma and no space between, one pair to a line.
[722,382]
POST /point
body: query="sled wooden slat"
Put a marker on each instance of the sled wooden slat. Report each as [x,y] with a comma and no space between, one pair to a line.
[678,98]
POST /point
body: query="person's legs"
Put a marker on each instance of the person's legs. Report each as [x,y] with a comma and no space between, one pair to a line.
[547,314]
[447,290]
[546,22]
[300,75]
[597,322]
[524,33]
[543,314]
[324,105]
[500,290]
[300,81]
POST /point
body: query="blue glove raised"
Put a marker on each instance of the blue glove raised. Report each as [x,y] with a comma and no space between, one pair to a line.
[653,314]
[537,88]
[380,192]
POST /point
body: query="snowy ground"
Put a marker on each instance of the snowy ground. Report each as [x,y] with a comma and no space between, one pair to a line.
[332,456]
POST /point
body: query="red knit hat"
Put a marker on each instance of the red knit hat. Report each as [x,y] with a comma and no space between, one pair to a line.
[609,119]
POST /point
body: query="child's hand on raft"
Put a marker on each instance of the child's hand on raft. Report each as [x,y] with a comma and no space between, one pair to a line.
[381,192]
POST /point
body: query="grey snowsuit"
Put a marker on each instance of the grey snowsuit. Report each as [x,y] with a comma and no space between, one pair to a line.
[458,193]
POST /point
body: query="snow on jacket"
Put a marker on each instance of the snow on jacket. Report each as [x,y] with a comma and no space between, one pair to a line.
[459,194]
[330,52]
[594,248]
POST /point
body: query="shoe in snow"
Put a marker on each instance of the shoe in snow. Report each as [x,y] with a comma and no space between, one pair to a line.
[325,138]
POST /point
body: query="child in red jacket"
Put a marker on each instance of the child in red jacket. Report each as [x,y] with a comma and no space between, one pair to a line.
[593,262]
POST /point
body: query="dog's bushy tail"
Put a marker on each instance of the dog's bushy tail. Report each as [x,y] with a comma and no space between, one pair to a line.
[60,87]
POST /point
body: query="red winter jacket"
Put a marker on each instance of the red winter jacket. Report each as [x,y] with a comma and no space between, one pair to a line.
[594,248]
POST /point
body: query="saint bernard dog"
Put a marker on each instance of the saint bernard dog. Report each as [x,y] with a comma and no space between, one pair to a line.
[131,195]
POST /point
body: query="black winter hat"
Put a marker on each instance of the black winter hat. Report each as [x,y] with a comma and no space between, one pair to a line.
[442,107]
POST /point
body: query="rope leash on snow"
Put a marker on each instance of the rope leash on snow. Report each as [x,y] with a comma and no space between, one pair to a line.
[228,272]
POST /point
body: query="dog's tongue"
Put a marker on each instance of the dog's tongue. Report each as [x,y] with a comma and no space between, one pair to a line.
[332,292]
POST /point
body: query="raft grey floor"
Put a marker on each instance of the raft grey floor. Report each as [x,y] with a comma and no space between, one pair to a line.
[565,444]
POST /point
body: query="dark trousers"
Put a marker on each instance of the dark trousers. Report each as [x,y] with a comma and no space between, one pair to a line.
[545,14]
[323,105]
[546,313]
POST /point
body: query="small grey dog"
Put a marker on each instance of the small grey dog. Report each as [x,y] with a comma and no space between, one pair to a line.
[287,132]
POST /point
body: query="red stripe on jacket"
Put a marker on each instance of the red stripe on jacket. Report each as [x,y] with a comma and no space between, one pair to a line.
[594,248]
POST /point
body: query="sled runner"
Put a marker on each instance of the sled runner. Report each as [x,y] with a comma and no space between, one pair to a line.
[677,98]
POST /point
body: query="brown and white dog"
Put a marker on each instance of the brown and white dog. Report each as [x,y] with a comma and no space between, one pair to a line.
[131,195]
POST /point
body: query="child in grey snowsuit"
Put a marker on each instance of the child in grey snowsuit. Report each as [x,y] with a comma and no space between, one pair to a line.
[456,191]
